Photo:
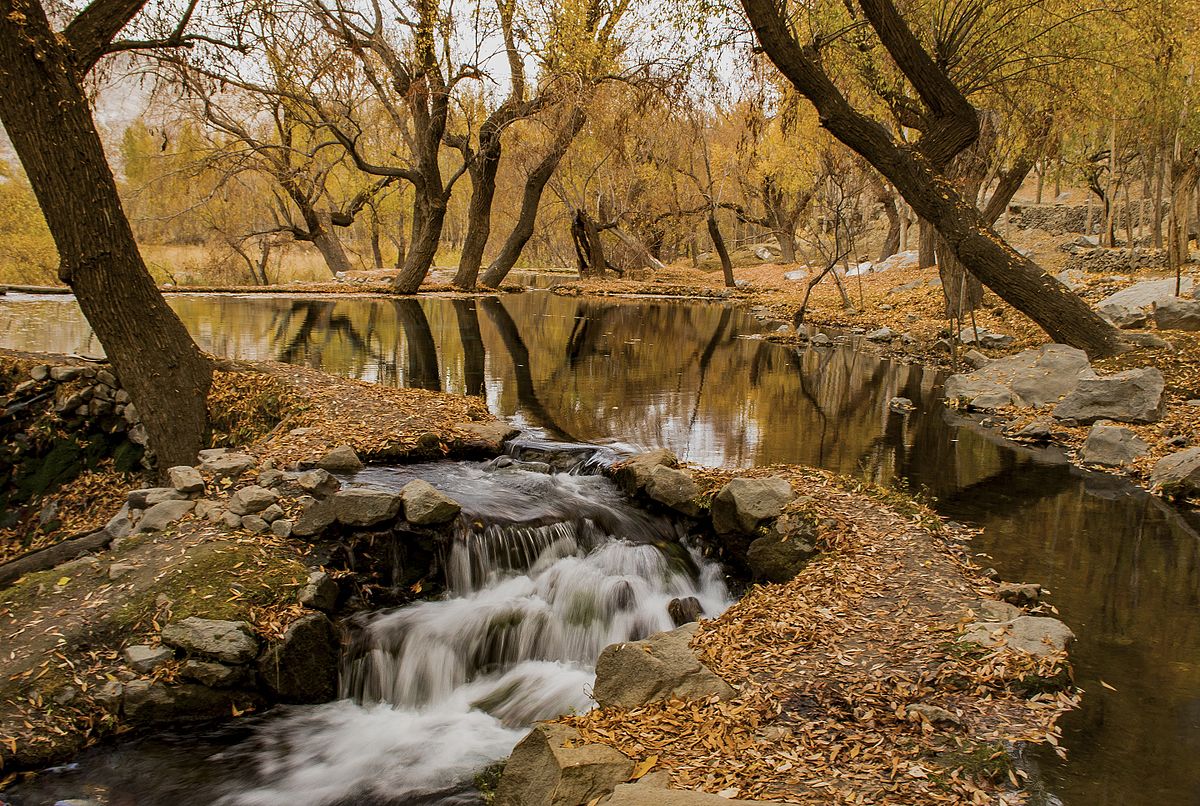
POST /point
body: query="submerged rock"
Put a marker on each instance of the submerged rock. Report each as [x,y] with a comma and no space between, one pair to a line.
[552,766]
[302,667]
[660,667]
[1178,474]
[148,702]
[426,505]
[1132,396]
[685,610]
[743,505]
[1112,446]
[227,641]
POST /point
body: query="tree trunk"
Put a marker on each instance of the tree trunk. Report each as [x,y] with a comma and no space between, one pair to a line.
[429,214]
[376,249]
[1015,278]
[329,245]
[479,212]
[891,243]
[589,249]
[926,244]
[963,292]
[714,232]
[46,115]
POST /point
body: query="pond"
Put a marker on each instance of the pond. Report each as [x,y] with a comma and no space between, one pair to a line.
[1124,568]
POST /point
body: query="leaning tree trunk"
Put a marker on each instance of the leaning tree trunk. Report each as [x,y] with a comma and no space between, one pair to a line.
[714,232]
[46,115]
[589,249]
[479,212]
[329,245]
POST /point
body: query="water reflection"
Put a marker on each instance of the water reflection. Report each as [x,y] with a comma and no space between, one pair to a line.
[1123,566]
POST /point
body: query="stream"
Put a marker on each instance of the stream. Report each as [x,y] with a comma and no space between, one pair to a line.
[1123,566]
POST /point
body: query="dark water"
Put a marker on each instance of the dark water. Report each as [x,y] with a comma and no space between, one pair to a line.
[1124,568]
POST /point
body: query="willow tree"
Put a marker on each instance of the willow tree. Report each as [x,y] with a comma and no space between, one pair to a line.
[47,116]
[917,169]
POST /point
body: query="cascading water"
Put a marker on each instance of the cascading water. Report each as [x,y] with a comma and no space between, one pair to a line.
[544,571]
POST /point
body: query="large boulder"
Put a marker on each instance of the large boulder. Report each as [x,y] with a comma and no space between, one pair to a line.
[226,641]
[1029,378]
[160,516]
[660,667]
[1178,474]
[1112,446]
[1132,396]
[426,505]
[674,488]
[361,507]
[552,766]
[1037,635]
[1175,313]
[303,665]
[1132,307]
[633,474]
[743,505]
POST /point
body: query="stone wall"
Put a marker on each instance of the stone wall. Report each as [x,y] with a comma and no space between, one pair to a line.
[1117,261]
[1063,218]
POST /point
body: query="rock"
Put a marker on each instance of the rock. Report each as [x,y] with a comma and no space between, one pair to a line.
[983,337]
[231,519]
[205,508]
[883,334]
[251,500]
[151,703]
[1132,396]
[281,528]
[1111,446]
[1037,635]
[341,459]
[1040,429]
[316,516]
[775,558]
[302,666]
[319,483]
[976,359]
[149,496]
[1131,307]
[118,570]
[901,405]
[271,513]
[160,516]
[226,641]
[489,434]
[674,488]
[743,505]
[226,465]
[321,592]
[40,373]
[932,714]
[186,479]
[1178,474]
[270,477]
[552,766]
[213,675]
[363,507]
[633,474]
[254,524]
[820,340]
[121,524]
[685,610]
[109,696]
[63,374]
[209,454]
[144,659]
[1029,378]
[1174,313]
[660,667]
[646,793]
[992,610]
[425,505]
[1019,593]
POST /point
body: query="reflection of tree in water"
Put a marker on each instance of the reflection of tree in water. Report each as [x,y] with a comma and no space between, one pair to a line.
[422,351]
[318,327]
[472,344]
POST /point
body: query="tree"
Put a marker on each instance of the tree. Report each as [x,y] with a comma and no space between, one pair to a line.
[916,169]
[46,114]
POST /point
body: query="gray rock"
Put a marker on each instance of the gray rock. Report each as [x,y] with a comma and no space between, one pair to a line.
[121,524]
[281,528]
[1111,446]
[674,488]
[932,714]
[552,766]
[820,340]
[186,479]
[231,519]
[209,454]
[1029,378]
[63,374]
[302,666]
[901,405]
[251,500]
[153,703]
[976,359]
[992,610]
[882,334]
[254,524]
[1019,593]
[204,509]
[316,516]
[743,505]
[40,373]
[425,505]
[226,641]
[1133,396]
[660,667]
[270,477]
[271,513]
[1037,635]
[321,592]
[362,507]
[1174,313]
[1178,474]
[341,459]
[983,337]
[1040,430]
[489,434]
[685,610]
[1132,307]
[140,498]
[119,570]
[109,696]
[319,483]
[160,516]
[226,465]
[213,675]
[160,494]
[633,474]
[144,659]
[775,558]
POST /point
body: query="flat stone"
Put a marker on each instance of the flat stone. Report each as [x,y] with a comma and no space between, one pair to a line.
[660,667]
[212,674]
[1029,378]
[425,505]
[226,641]
[144,659]
[1112,446]
[362,507]
[674,488]
[160,516]
[226,465]
[302,667]
[553,766]
[1178,474]
[316,516]
[251,500]
[992,610]
[186,479]
[1175,313]
[1132,307]
[160,494]
[491,434]
[743,505]
[341,459]
[1037,635]
[63,374]
[1132,396]
[319,483]
[156,703]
